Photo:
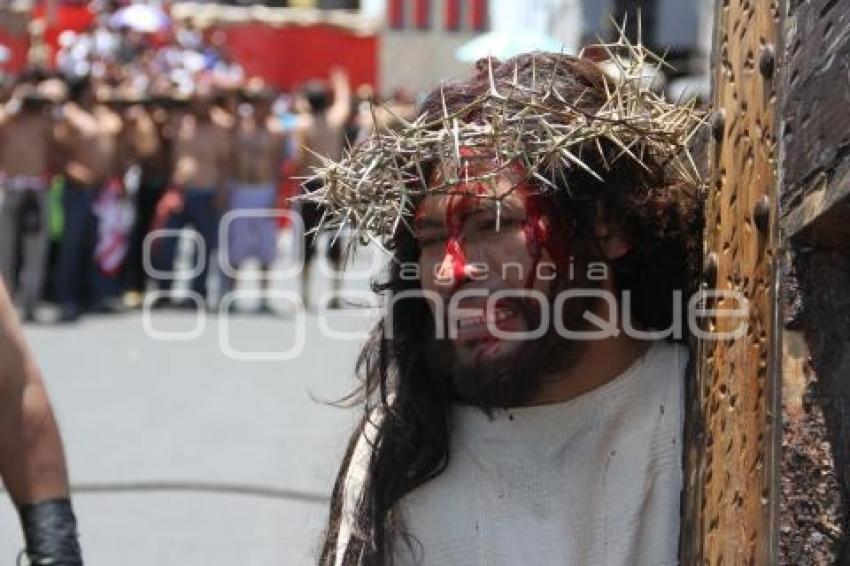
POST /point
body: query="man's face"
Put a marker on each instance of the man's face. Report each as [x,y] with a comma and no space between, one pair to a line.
[470,248]
[466,250]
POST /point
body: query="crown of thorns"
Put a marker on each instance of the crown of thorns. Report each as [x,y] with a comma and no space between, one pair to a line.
[374,188]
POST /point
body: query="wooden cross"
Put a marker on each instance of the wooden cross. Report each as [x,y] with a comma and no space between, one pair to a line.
[767,464]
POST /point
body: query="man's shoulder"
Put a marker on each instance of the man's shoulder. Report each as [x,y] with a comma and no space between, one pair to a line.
[672,352]
[665,372]
[661,372]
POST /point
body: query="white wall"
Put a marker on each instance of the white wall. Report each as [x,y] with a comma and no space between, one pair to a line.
[561,19]
[374,8]
[417,60]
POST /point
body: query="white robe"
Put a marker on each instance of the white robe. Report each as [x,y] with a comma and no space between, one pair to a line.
[593,481]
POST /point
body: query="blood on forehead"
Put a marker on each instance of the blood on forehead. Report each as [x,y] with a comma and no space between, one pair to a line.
[474,190]
[468,184]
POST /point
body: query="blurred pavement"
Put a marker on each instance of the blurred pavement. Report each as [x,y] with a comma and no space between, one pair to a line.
[186,457]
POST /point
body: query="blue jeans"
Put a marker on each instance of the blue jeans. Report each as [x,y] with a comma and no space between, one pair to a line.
[75,252]
[199,210]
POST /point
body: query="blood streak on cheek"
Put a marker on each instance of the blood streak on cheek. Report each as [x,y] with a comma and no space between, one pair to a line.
[455,252]
[538,234]
[536,231]
[457,210]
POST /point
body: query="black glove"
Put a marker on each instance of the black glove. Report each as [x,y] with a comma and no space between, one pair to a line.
[50,531]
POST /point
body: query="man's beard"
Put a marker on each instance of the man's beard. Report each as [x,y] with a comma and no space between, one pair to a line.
[515,377]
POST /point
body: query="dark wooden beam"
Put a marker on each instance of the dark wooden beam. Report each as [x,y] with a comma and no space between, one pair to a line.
[815,219]
[816,124]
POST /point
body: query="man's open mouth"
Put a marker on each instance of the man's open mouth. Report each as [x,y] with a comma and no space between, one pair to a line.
[475,326]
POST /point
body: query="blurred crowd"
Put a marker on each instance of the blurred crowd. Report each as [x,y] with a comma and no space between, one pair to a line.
[135,132]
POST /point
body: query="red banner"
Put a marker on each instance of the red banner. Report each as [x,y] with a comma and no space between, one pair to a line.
[66,17]
[478,15]
[422,14]
[18,45]
[395,13]
[453,15]
[288,56]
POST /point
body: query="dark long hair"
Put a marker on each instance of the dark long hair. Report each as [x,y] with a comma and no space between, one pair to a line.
[408,406]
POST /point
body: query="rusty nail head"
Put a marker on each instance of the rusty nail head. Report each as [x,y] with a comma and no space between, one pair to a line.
[710,269]
[767,60]
[718,124]
[761,213]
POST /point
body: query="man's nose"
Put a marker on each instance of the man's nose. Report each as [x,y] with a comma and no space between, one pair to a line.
[446,271]
[455,267]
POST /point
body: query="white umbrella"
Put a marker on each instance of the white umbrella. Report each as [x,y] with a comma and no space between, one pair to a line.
[502,44]
[141,17]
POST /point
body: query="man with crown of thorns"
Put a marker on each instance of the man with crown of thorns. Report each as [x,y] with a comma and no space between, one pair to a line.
[524,387]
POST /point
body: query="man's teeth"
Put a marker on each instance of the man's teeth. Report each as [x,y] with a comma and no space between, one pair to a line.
[480,320]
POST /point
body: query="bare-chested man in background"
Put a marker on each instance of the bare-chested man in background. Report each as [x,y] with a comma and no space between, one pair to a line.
[201,161]
[321,132]
[147,143]
[257,159]
[87,133]
[25,149]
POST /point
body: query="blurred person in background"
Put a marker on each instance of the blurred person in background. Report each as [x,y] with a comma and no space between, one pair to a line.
[220,62]
[387,114]
[146,140]
[25,151]
[359,121]
[320,132]
[87,134]
[257,161]
[32,460]
[113,211]
[201,159]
